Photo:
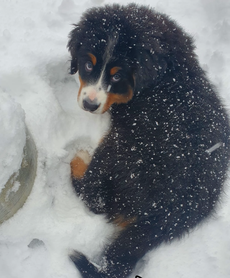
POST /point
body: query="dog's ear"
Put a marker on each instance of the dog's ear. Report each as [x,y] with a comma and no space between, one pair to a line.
[73,66]
[151,60]
[73,46]
[151,67]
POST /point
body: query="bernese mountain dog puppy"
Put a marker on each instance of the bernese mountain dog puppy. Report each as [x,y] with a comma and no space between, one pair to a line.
[160,169]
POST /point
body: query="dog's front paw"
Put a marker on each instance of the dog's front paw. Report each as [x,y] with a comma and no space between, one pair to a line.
[80,164]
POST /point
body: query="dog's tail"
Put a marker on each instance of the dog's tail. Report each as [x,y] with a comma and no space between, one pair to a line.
[86,268]
[121,256]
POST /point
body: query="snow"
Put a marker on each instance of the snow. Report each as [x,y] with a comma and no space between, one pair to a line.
[34,75]
[12,125]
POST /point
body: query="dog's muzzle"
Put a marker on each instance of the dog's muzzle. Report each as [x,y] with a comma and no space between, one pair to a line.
[90,105]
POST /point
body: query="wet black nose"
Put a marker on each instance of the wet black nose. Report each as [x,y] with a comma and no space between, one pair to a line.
[90,105]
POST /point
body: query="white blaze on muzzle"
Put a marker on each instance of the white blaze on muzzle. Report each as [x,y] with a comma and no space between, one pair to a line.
[92,99]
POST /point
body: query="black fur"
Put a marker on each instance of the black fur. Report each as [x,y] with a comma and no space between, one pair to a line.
[156,165]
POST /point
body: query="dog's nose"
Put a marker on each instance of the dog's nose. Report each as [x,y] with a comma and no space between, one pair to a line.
[90,105]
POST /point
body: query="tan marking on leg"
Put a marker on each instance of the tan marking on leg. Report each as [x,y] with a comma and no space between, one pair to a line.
[80,164]
[117,98]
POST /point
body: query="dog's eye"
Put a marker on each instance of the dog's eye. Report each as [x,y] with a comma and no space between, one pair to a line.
[88,66]
[116,77]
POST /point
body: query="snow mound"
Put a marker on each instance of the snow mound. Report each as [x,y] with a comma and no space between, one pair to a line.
[13,137]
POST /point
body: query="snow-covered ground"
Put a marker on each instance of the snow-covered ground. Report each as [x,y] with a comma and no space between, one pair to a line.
[34,66]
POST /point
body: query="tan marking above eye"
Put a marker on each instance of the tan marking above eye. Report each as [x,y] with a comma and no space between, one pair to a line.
[114,70]
[117,98]
[93,58]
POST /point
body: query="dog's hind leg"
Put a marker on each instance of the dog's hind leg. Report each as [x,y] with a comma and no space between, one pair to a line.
[120,258]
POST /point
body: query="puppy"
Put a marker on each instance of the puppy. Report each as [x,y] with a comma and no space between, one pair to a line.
[160,170]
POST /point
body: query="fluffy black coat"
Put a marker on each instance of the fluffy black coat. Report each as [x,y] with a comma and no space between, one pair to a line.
[163,164]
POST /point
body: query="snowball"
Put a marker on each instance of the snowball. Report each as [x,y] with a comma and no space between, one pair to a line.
[12,137]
